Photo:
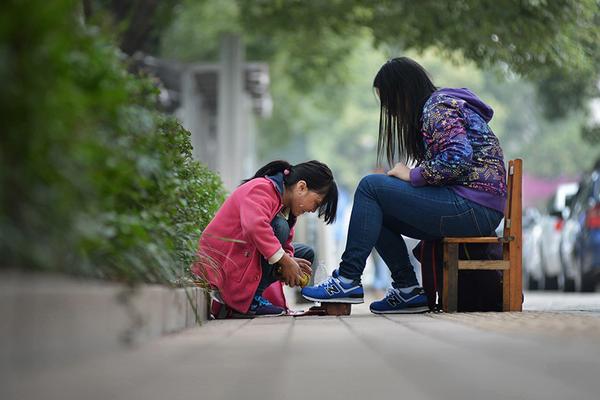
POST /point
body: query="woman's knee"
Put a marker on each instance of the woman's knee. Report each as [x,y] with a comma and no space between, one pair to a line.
[369,182]
[374,184]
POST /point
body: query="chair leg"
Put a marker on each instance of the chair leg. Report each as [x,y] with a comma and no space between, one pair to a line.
[506,289]
[515,280]
[450,293]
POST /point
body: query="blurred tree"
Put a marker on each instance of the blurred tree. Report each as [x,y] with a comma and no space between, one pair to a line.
[139,23]
[94,180]
[546,41]
[346,140]
[308,75]
[553,43]
[566,89]
[322,62]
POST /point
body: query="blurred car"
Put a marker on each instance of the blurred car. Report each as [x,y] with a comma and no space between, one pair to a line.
[566,280]
[580,241]
[532,231]
[551,225]
[532,262]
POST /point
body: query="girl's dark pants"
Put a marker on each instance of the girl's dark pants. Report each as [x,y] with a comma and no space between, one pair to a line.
[281,229]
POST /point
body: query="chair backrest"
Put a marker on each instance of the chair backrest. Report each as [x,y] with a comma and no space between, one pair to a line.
[514,208]
[513,236]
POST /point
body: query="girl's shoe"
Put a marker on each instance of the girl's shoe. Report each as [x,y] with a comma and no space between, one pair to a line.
[396,302]
[262,307]
[333,290]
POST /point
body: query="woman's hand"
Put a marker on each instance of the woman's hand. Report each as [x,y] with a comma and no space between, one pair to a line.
[400,171]
[291,272]
[304,265]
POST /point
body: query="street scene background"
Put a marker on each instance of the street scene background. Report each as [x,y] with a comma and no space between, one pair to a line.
[125,125]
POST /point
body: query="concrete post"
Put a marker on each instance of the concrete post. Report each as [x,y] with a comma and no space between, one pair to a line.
[191,115]
[230,108]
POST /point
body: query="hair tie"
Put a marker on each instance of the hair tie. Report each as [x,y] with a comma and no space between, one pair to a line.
[286,171]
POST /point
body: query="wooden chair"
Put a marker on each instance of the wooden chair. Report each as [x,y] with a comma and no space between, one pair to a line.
[511,239]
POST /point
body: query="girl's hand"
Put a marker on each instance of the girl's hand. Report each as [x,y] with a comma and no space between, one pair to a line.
[400,171]
[304,265]
[291,273]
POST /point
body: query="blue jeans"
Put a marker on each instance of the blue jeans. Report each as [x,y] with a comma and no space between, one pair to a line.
[385,208]
[281,229]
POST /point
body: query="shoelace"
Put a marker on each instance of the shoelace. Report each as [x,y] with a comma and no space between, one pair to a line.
[392,292]
[262,301]
[327,282]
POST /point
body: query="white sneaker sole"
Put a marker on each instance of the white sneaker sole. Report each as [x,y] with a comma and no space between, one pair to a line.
[252,316]
[270,315]
[413,310]
[346,300]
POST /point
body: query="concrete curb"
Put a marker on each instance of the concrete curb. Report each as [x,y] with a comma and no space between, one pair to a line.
[52,320]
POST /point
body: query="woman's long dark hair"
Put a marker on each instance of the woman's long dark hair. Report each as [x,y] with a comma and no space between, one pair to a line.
[403,87]
[318,178]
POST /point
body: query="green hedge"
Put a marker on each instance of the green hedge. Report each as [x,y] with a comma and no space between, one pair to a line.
[95,181]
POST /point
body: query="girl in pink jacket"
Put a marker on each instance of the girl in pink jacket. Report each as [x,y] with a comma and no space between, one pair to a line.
[247,247]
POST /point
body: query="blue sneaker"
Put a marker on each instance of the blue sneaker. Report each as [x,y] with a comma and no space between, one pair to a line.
[332,290]
[396,302]
[262,307]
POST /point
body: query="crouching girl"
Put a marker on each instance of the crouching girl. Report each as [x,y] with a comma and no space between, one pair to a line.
[248,245]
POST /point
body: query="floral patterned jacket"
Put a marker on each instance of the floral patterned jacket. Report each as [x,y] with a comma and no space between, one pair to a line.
[461,151]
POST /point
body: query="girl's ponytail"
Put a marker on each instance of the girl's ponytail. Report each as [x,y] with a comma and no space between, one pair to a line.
[271,168]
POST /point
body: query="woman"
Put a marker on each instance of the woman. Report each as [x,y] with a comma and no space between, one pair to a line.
[458,187]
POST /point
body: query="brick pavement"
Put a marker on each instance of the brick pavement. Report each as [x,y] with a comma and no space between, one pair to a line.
[430,356]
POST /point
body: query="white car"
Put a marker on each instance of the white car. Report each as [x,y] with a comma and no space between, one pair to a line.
[532,261]
[567,254]
[551,225]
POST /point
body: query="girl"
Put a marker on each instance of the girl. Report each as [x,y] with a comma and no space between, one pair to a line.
[248,244]
[457,189]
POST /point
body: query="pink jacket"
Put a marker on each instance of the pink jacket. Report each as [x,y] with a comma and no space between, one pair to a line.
[232,244]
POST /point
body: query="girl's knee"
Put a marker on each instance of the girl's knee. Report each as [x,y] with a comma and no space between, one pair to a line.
[304,251]
[281,228]
[310,254]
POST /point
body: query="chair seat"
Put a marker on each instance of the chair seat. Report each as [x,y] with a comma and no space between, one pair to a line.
[484,264]
[474,239]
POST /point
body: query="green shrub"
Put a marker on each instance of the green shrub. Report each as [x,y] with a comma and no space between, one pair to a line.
[95,181]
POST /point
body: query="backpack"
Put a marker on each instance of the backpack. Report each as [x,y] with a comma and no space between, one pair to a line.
[478,290]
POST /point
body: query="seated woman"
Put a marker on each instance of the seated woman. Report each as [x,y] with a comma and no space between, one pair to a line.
[457,189]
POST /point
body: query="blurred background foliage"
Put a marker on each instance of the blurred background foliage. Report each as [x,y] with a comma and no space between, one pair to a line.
[95,181]
[536,62]
[553,43]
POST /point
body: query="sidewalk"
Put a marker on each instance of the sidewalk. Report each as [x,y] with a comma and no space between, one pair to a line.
[429,356]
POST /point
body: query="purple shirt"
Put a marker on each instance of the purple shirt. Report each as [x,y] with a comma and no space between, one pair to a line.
[461,151]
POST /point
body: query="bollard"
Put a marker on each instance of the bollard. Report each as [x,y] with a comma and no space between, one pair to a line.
[332,309]
[337,308]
